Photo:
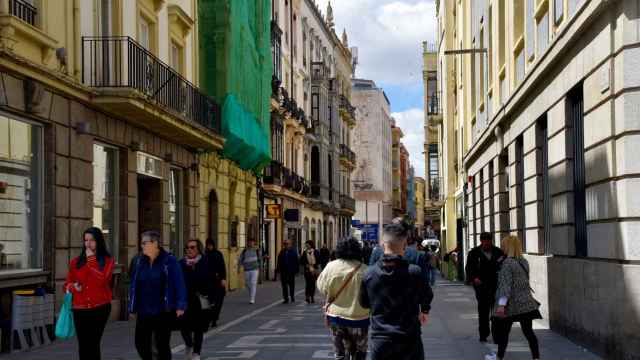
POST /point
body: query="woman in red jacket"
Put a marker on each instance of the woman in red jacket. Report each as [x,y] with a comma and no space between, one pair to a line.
[89,280]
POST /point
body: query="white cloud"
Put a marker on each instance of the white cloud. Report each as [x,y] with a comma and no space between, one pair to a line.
[388,34]
[411,122]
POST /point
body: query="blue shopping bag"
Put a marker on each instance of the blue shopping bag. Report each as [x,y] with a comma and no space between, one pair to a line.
[64,326]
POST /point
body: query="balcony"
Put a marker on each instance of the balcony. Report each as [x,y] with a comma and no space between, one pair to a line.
[348,203]
[133,83]
[23,11]
[347,155]
[347,111]
[319,71]
[276,47]
[435,195]
[434,110]
[273,174]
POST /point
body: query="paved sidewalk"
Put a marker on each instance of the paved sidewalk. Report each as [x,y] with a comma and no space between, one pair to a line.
[118,340]
[270,330]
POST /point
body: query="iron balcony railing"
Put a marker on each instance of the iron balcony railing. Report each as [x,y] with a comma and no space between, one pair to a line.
[433,104]
[346,105]
[319,71]
[347,202]
[24,11]
[435,193]
[120,62]
[347,153]
[273,173]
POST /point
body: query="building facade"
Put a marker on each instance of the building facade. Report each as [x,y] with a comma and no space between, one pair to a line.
[420,205]
[312,121]
[108,119]
[548,118]
[372,179]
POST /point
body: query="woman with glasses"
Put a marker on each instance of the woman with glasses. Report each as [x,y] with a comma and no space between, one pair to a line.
[89,280]
[157,296]
[200,297]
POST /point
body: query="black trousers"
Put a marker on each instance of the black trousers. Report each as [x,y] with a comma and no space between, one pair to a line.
[385,349]
[485,298]
[504,328]
[194,325]
[158,328]
[288,282]
[309,284]
[90,324]
[217,305]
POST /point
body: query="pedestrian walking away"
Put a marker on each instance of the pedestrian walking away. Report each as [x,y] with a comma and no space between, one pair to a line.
[158,297]
[89,280]
[515,303]
[218,272]
[249,261]
[288,266]
[200,296]
[399,299]
[310,261]
[341,282]
[482,268]
[411,253]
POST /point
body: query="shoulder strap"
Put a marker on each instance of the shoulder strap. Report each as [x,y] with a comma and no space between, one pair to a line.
[523,268]
[344,285]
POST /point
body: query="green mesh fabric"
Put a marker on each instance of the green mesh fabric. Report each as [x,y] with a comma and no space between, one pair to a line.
[235,69]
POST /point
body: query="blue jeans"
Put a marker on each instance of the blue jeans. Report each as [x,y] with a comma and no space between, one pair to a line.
[431,273]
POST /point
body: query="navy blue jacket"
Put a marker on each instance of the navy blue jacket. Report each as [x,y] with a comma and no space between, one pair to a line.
[411,254]
[288,262]
[156,288]
[395,293]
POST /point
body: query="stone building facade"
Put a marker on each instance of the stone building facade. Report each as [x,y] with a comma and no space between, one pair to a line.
[550,119]
[372,179]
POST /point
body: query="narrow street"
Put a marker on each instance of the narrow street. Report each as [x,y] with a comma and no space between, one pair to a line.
[270,330]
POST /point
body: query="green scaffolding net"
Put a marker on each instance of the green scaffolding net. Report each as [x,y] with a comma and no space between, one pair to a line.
[235,69]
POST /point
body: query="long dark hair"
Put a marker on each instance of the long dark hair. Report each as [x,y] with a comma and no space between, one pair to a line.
[101,248]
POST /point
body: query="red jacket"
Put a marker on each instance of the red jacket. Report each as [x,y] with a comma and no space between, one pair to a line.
[95,284]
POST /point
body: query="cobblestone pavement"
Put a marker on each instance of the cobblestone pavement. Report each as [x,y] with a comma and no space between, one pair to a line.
[269,330]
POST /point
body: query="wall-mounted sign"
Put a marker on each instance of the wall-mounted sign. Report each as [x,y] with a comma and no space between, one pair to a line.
[274,211]
[292,215]
[149,165]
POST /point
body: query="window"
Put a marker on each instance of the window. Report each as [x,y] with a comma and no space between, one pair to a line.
[575,116]
[521,228]
[25,10]
[20,195]
[519,67]
[558,10]
[105,17]
[105,190]
[543,33]
[546,196]
[176,209]
[144,33]
[530,19]
[176,57]
[483,77]
[490,46]
[572,6]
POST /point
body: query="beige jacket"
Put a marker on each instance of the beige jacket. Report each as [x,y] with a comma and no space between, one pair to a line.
[347,305]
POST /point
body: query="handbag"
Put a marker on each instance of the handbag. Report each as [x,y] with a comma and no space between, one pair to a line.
[330,301]
[65,327]
[204,302]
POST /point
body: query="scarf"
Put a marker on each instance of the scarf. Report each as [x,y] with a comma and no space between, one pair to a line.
[194,261]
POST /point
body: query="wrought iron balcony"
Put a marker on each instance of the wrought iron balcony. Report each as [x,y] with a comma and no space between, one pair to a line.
[23,11]
[273,173]
[347,202]
[433,104]
[347,154]
[113,63]
[319,71]
[346,106]
[435,193]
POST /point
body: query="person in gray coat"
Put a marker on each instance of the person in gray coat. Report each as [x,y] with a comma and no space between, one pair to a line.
[514,301]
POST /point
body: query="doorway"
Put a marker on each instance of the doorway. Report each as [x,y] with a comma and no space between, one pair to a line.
[150,204]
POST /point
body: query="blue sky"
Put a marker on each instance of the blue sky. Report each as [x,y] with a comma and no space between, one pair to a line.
[389,36]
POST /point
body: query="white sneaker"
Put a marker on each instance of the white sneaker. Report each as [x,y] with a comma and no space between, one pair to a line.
[188,353]
[196,357]
[491,357]
[252,302]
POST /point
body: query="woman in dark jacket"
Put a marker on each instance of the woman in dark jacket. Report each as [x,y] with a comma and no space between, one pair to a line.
[89,280]
[218,271]
[310,260]
[200,298]
[157,295]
